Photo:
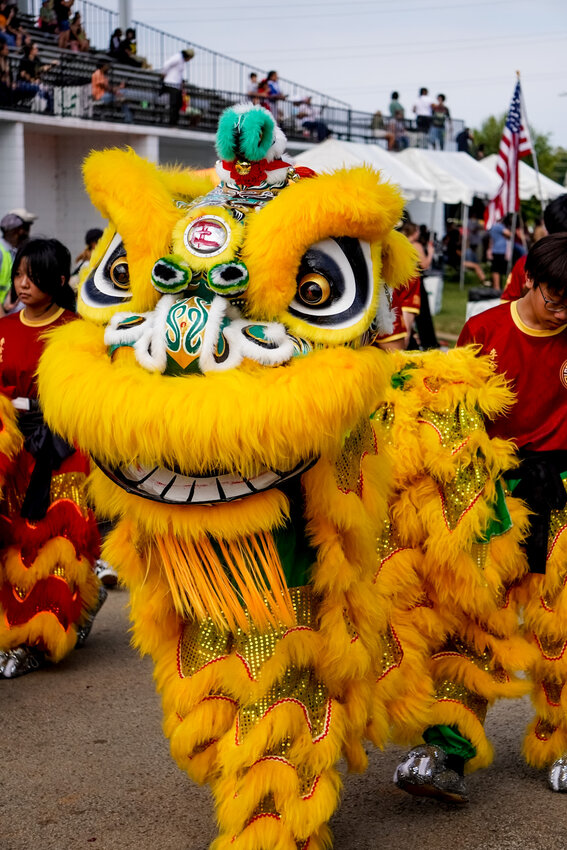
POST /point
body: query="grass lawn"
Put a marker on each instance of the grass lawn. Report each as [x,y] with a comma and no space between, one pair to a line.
[451,319]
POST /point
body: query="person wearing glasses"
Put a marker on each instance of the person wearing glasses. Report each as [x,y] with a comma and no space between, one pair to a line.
[527,341]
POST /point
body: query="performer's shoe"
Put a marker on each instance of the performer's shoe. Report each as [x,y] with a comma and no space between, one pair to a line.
[557,776]
[107,574]
[424,772]
[84,630]
[19,661]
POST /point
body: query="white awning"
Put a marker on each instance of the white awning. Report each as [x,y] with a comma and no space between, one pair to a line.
[528,180]
[332,154]
[456,176]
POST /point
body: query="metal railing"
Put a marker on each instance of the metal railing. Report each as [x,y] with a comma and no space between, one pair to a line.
[208,69]
[69,86]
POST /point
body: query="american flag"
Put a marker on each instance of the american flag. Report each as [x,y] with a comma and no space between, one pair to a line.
[514,145]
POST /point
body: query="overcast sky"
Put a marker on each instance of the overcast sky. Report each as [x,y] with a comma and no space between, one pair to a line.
[362,49]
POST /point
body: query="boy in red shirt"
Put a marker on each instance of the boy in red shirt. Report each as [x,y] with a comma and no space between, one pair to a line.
[527,340]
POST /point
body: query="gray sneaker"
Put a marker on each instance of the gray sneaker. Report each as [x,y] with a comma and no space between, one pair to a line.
[22,660]
[557,776]
[424,773]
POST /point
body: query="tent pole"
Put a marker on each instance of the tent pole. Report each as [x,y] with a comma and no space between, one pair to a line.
[464,246]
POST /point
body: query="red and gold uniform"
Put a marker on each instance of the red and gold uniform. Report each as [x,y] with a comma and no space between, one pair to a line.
[49,537]
[535,362]
[405,299]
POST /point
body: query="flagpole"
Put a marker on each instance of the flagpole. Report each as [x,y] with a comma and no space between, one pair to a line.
[532,146]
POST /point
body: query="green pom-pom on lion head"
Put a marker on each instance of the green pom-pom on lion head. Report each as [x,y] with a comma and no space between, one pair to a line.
[248,132]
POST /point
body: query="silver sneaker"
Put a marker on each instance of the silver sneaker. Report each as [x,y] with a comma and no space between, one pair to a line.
[84,631]
[424,773]
[22,660]
[557,776]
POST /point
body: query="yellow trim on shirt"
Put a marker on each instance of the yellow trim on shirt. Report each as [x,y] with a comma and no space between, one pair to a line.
[415,310]
[527,330]
[40,322]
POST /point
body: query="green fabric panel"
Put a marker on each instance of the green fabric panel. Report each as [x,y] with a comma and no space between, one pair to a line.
[449,739]
[500,521]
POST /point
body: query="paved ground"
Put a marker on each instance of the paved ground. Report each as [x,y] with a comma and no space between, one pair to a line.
[83,764]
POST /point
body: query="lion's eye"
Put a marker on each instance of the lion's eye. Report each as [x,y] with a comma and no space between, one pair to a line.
[120,273]
[108,284]
[313,289]
[334,283]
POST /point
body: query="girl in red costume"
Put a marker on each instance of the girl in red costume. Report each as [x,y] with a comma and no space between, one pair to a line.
[48,590]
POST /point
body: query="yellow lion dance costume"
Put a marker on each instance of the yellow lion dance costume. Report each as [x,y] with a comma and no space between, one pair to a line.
[222,382]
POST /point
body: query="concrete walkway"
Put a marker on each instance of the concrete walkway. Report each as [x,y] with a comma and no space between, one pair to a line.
[84,765]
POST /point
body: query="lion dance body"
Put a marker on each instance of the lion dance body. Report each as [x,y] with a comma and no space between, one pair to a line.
[247,441]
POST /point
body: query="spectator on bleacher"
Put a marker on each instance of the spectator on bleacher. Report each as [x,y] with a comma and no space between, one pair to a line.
[311,121]
[252,92]
[395,105]
[422,111]
[105,93]
[379,129]
[127,51]
[275,95]
[441,119]
[263,93]
[399,139]
[114,43]
[173,73]
[6,80]
[10,27]
[28,81]
[78,40]
[63,12]
[47,21]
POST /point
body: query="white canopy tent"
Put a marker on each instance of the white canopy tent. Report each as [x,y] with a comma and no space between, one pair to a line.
[333,154]
[458,179]
[528,181]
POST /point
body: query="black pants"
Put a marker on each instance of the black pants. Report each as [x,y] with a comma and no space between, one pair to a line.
[175,103]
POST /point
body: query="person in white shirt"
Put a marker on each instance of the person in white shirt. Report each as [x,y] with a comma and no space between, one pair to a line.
[173,74]
[423,111]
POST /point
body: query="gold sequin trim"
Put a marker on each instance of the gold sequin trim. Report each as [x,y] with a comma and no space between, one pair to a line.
[458,496]
[483,660]
[479,554]
[392,653]
[68,485]
[202,643]
[552,650]
[552,691]
[296,686]
[348,472]
[544,730]
[453,427]
[384,417]
[448,691]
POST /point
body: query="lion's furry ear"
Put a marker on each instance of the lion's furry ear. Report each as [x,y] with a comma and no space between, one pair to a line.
[399,260]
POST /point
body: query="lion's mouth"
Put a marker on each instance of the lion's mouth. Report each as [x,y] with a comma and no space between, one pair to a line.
[164,485]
